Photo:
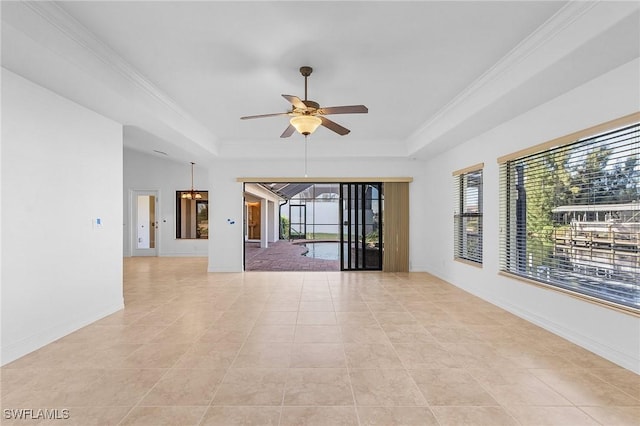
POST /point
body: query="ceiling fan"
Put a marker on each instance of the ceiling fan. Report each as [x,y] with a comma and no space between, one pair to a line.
[306,115]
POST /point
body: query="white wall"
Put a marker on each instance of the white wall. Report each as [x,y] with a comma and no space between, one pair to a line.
[225,245]
[149,172]
[274,221]
[61,170]
[271,202]
[612,334]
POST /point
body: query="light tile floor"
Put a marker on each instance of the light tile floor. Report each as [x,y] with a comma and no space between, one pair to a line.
[313,348]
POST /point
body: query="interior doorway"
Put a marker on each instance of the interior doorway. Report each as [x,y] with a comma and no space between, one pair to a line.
[253,222]
[144,232]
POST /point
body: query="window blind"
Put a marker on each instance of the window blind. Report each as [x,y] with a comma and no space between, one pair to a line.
[468,216]
[570,216]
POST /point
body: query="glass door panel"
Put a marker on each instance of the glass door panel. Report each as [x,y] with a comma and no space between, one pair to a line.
[361,239]
[146,223]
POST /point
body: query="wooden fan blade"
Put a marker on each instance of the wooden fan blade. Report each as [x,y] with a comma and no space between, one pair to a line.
[295,101]
[347,109]
[264,115]
[288,131]
[332,125]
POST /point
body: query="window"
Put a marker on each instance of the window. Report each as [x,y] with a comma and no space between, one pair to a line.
[570,216]
[468,214]
[192,215]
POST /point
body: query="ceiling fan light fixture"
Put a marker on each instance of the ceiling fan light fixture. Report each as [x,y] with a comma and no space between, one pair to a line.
[305,124]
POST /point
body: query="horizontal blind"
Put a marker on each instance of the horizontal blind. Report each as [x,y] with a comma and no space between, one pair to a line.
[570,216]
[468,216]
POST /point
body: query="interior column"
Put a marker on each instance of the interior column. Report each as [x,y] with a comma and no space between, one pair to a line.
[264,223]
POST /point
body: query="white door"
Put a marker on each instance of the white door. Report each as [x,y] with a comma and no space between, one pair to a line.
[144,229]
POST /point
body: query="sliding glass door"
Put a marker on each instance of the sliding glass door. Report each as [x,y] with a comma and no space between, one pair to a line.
[361,218]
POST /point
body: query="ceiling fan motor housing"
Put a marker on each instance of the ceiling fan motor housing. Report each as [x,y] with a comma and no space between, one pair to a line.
[312,105]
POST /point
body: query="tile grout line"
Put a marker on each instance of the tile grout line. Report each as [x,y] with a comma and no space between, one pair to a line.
[284,387]
[227,370]
[163,375]
[611,389]
[405,368]
[466,370]
[346,359]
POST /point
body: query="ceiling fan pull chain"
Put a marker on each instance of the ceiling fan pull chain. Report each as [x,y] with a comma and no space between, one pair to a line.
[306,137]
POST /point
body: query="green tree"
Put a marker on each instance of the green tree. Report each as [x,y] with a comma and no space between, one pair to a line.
[589,183]
[566,178]
[548,186]
[203,212]
[624,181]
[284,227]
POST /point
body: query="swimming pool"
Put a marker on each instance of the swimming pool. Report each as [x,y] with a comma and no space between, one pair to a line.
[327,251]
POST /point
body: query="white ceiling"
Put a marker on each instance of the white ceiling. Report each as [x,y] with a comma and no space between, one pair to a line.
[180,74]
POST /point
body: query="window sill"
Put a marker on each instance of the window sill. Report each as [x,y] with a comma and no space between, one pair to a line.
[610,305]
[468,262]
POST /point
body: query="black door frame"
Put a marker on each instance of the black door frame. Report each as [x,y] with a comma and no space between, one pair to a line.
[355,255]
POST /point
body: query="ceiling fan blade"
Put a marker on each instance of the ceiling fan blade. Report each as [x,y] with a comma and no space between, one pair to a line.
[288,131]
[295,101]
[332,125]
[264,115]
[347,109]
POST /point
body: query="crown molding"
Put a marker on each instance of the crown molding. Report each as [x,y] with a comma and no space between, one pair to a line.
[551,41]
[55,15]
[54,29]
[542,35]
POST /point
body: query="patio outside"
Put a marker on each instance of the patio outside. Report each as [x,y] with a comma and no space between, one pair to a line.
[310,215]
[284,255]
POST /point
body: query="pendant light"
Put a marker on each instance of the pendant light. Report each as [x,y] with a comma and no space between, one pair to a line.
[193,194]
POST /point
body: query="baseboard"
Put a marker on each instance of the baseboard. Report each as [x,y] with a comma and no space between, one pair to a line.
[413,267]
[13,351]
[165,254]
[622,359]
[605,351]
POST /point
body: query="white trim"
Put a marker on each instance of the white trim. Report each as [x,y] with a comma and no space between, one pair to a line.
[537,39]
[75,31]
[56,31]
[582,340]
[50,334]
[558,36]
